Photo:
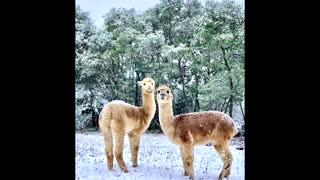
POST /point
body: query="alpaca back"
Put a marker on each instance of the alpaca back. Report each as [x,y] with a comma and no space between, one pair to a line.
[203,127]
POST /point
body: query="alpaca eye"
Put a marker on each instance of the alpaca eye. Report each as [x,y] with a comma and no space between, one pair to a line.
[167,91]
[144,84]
[158,91]
[151,83]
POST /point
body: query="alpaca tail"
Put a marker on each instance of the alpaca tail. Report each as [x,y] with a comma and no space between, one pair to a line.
[104,120]
[235,131]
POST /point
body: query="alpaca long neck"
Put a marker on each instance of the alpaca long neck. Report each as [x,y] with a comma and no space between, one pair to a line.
[166,119]
[148,103]
[148,106]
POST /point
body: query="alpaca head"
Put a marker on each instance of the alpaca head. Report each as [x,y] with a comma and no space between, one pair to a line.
[147,85]
[164,95]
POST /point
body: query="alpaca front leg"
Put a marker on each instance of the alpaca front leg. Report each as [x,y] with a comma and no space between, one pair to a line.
[184,161]
[119,138]
[226,156]
[189,158]
[134,146]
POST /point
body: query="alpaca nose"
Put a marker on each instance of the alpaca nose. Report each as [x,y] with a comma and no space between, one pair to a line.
[149,88]
[162,96]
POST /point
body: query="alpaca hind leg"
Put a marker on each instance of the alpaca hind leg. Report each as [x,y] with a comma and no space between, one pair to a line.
[229,161]
[104,125]
[119,143]
[134,146]
[109,148]
[226,156]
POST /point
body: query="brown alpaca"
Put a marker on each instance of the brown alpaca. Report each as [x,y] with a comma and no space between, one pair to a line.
[118,118]
[187,130]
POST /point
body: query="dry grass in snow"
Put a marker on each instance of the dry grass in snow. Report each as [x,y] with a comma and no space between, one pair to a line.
[158,159]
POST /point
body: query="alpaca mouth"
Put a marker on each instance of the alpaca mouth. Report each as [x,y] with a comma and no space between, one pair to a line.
[149,90]
[162,97]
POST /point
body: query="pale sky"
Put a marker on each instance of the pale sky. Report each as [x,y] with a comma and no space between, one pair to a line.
[98,8]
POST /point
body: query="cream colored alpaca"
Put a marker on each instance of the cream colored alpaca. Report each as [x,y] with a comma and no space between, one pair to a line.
[187,130]
[118,118]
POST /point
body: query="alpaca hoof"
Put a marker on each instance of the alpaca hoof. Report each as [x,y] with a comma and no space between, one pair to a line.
[124,169]
[227,174]
[191,177]
[135,165]
[110,168]
[185,174]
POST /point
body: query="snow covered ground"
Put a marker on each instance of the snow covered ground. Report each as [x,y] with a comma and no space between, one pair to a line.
[158,159]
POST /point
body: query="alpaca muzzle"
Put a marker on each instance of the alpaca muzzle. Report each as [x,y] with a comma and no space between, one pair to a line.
[149,90]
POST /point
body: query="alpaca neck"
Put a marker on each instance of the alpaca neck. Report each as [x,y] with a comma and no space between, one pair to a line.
[166,119]
[148,104]
[148,101]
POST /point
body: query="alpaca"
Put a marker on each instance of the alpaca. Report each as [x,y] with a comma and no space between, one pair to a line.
[187,130]
[118,118]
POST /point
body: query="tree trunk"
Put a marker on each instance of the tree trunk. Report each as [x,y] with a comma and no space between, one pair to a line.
[231,95]
[94,122]
[230,81]
[224,103]
[197,104]
[231,105]
[183,86]
[226,108]
[114,75]
[94,119]
[159,69]
[170,38]
[242,112]
[136,99]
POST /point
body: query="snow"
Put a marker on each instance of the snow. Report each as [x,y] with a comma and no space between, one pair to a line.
[158,159]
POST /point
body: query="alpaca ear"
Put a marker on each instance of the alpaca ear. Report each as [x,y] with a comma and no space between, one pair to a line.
[171,96]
